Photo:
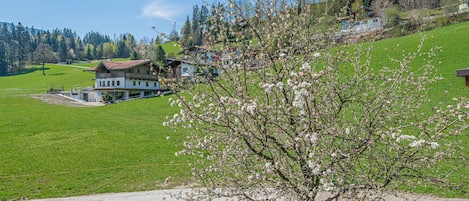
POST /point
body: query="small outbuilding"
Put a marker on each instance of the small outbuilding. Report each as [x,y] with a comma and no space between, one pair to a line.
[464,73]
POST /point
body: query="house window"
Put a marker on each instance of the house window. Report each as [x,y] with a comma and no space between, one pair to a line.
[138,70]
[154,84]
[113,83]
[118,83]
[147,84]
[108,83]
[138,83]
[135,83]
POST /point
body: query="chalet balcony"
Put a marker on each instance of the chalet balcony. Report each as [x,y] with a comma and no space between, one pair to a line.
[127,75]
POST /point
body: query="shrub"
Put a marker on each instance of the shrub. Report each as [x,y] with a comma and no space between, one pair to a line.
[393,16]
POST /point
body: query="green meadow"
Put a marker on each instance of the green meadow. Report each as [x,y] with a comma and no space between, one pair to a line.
[53,150]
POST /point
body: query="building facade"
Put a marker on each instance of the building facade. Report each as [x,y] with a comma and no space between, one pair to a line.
[125,80]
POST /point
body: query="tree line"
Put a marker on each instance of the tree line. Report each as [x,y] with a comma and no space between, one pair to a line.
[21,46]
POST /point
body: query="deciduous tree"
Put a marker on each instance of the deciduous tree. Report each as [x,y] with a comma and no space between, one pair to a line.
[293,115]
[44,54]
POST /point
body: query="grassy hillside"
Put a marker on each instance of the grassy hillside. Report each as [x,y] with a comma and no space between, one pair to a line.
[53,151]
[172,49]
[454,43]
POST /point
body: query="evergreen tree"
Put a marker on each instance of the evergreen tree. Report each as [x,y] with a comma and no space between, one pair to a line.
[174,36]
[186,33]
[130,42]
[122,49]
[160,56]
[4,42]
[134,56]
[12,48]
[196,35]
[22,38]
[3,62]
[95,52]
[63,51]
[89,55]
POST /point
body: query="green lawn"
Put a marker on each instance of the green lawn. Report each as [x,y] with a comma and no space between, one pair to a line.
[53,151]
[171,48]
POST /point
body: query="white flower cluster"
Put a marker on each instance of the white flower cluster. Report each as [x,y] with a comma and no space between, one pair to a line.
[305,67]
[315,168]
[174,102]
[327,186]
[312,138]
[267,87]
[405,137]
[250,108]
[317,55]
[300,91]
[417,143]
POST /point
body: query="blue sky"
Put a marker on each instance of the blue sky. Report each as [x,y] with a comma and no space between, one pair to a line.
[108,17]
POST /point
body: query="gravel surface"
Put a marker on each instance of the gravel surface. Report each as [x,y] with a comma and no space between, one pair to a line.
[63,100]
[169,195]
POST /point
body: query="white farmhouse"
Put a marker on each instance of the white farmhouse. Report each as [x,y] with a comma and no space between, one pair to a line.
[125,80]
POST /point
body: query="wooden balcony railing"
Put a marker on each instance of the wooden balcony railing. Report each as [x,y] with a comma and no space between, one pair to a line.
[127,75]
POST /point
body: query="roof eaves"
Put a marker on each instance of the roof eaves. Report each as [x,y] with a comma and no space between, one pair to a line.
[462,72]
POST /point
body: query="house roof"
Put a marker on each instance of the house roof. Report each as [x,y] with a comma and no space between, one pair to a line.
[462,72]
[119,65]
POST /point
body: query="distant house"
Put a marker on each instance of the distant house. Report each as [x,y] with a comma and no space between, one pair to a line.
[197,62]
[363,26]
[125,80]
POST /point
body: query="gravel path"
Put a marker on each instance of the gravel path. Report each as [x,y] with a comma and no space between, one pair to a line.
[63,100]
[167,196]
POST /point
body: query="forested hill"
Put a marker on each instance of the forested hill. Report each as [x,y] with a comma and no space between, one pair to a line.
[20,46]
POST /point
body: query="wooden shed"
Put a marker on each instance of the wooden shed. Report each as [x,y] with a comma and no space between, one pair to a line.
[463,73]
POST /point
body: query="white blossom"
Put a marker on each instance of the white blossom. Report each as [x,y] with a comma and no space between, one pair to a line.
[317,55]
[405,137]
[279,85]
[223,99]
[434,145]
[315,168]
[305,67]
[417,143]
[267,87]
[328,186]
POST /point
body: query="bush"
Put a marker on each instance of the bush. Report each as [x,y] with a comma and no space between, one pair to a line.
[393,16]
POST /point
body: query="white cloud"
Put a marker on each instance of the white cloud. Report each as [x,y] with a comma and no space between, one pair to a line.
[160,9]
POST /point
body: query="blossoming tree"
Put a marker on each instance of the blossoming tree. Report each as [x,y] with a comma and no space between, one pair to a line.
[294,113]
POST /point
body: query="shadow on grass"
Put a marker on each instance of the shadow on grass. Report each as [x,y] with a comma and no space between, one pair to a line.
[54,74]
[26,71]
